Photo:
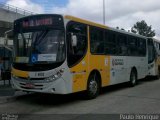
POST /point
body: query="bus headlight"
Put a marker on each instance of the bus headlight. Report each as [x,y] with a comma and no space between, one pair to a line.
[55,76]
[14,77]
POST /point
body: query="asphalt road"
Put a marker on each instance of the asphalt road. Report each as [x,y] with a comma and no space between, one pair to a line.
[119,99]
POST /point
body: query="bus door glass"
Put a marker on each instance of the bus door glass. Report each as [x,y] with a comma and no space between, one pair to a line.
[151,51]
[76,54]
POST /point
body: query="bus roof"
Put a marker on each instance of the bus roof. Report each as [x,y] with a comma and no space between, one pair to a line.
[89,23]
[100,25]
[85,21]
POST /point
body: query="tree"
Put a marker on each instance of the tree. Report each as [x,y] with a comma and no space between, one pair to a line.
[119,28]
[143,29]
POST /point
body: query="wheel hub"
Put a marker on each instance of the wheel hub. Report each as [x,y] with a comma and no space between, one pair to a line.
[93,87]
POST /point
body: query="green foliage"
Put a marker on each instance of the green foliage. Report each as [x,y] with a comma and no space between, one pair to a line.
[143,29]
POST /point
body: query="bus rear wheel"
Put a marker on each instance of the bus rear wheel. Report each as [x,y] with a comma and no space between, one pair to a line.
[133,78]
[93,87]
[158,76]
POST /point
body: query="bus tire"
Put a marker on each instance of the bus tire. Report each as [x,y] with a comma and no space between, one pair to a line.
[133,78]
[93,86]
[158,76]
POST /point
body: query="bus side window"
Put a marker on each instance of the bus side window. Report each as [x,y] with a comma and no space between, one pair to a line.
[110,43]
[76,53]
[96,40]
[122,45]
[132,46]
[142,47]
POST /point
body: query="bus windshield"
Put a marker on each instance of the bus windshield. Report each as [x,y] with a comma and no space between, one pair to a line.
[40,47]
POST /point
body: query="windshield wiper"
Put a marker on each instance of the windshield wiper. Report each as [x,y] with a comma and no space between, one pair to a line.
[24,43]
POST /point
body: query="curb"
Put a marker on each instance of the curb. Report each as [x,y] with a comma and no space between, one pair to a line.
[6,99]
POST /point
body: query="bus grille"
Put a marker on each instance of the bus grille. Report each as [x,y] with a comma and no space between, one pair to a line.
[31,86]
[32,78]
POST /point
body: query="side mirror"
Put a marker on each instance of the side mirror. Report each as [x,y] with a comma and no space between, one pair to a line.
[8,34]
[74,40]
[6,39]
[155,54]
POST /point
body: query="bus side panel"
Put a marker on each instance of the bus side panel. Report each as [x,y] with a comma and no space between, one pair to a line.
[80,75]
[119,71]
[158,65]
[140,63]
[89,63]
[107,77]
[154,67]
[102,64]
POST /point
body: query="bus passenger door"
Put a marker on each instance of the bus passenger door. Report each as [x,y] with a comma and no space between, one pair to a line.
[152,66]
[77,57]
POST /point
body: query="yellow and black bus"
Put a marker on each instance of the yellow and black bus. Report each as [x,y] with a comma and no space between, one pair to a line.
[63,54]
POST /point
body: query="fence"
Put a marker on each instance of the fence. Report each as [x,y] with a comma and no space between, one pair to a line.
[15,9]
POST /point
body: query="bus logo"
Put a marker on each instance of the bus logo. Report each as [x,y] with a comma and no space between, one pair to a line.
[116,62]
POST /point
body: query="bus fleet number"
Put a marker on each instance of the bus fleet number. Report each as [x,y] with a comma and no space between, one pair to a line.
[39,74]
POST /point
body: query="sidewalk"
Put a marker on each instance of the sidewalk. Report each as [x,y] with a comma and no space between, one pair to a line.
[6,89]
[7,93]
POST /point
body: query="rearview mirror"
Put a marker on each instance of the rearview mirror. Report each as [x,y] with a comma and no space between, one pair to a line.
[74,40]
[8,35]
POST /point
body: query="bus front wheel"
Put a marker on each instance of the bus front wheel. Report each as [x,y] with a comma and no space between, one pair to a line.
[93,86]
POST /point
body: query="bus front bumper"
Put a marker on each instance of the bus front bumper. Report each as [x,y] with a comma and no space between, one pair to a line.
[55,87]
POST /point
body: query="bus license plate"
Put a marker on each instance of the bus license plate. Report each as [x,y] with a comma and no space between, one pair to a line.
[29,85]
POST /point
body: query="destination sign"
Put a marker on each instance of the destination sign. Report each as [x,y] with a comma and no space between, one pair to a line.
[37,22]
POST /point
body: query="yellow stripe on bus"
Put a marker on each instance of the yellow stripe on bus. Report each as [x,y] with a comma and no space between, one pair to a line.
[20,73]
[84,21]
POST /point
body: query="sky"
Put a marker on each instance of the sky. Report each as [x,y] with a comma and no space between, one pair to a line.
[121,13]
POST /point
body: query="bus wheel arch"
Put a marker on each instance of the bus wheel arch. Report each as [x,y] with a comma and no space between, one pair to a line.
[133,77]
[93,84]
